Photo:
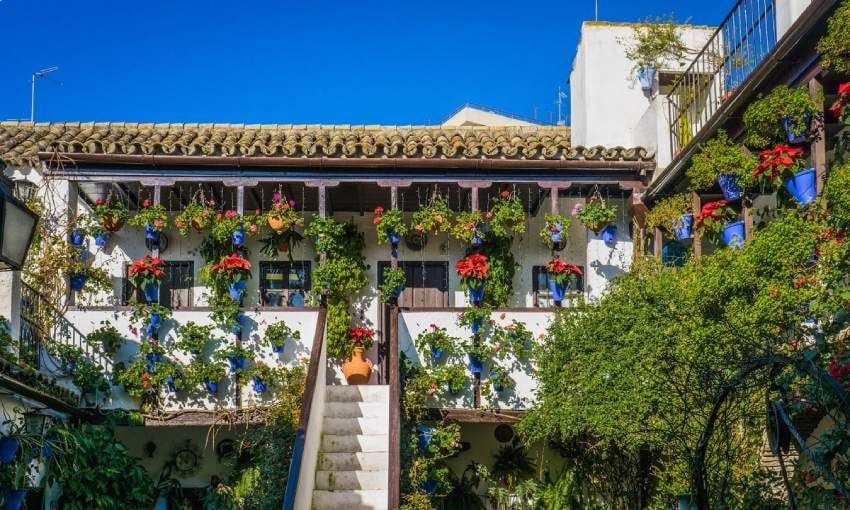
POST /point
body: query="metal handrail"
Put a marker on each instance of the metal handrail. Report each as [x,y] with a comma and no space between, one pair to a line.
[741,42]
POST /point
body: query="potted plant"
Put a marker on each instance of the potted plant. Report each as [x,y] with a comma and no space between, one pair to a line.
[110,213]
[653,44]
[478,352]
[437,341]
[277,334]
[673,214]
[512,465]
[16,479]
[507,215]
[283,216]
[435,217]
[284,242]
[153,353]
[514,339]
[501,379]
[198,214]
[595,214]
[154,219]
[453,376]
[80,272]
[389,225]
[146,274]
[91,226]
[235,355]
[555,230]
[393,284]
[475,318]
[262,376]
[784,164]
[208,374]
[358,369]
[723,162]
[149,315]
[834,46]
[107,336]
[77,234]
[558,273]
[234,270]
[473,270]
[234,227]
[715,220]
[468,227]
[782,116]
[193,338]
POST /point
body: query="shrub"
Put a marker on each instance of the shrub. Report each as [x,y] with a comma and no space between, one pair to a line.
[763,118]
[720,155]
[834,47]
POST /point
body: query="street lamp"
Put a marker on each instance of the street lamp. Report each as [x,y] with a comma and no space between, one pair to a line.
[17,226]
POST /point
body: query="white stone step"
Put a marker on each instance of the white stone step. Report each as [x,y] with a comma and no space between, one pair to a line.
[358,393]
[334,443]
[351,480]
[350,500]
[355,426]
[356,461]
[357,409]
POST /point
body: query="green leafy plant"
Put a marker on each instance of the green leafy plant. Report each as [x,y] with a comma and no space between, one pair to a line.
[110,212]
[467,225]
[198,215]
[435,217]
[107,337]
[193,338]
[555,224]
[472,315]
[515,339]
[512,464]
[453,375]
[338,321]
[464,492]
[656,41]
[834,46]
[503,268]
[720,155]
[278,333]
[335,239]
[506,214]
[501,379]
[141,313]
[200,371]
[232,352]
[284,242]
[437,338]
[712,219]
[394,281]
[763,118]
[5,338]
[387,221]
[134,377]
[340,277]
[154,215]
[84,373]
[226,223]
[666,213]
[596,214]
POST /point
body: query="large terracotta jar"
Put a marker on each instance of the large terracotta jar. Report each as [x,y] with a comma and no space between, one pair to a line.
[358,369]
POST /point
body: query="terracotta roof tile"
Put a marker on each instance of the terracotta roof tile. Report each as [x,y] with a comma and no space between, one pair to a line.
[21,141]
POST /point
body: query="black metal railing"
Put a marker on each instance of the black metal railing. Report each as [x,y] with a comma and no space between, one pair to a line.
[737,47]
[43,325]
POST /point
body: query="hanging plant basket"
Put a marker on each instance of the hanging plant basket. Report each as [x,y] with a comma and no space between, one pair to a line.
[111,223]
[415,241]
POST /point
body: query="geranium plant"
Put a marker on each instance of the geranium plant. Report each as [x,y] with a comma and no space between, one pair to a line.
[193,338]
[556,228]
[153,217]
[507,215]
[713,217]
[230,226]
[283,216]
[277,334]
[146,272]
[435,217]
[389,225]
[198,215]
[393,284]
[107,336]
[437,342]
[515,339]
[473,270]
[778,163]
[111,213]
[840,109]
[361,337]
[595,214]
[469,227]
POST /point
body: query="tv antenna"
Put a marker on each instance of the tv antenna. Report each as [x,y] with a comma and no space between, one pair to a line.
[560,102]
[41,73]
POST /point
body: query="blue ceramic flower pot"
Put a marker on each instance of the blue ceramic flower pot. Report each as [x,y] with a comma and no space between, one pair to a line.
[476,292]
[728,184]
[237,327]
[77,281]
[278,348]
[101,239]
[237,289]
[733,234]
[155,320]
[151,359]
[802,186]
[211,386]
[475,364]
[259,385]
[609,234]
[151,233]
[169,384]
[151,291]
[236,362]
[13,499]
[436,353]
[556,237]
[558,290]
[238,236]
[795,133]
[684,227]
[646,77]
[476,325]
[77,237]
[8,449]
[393,237]
[429,486]
[477,240]
[425,433]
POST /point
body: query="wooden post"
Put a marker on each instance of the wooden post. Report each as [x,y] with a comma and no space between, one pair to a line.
[697,205]
[747,216]
[638,211]
[394,471]
[554,191]
[323,201]
[157,197]
[240,199]
[474,197]
[657,242]
[394,205]
[818,146]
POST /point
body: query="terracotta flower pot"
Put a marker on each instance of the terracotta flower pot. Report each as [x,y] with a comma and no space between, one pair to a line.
[276,223]
[283,246]
[198,224]
[358,369]
[111,223]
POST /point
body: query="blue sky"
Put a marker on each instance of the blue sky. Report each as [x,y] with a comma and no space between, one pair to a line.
[253,61]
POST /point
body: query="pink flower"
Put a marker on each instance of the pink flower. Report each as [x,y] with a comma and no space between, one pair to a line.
[291,203]
[252,228]
[158,223]
[146,203]
[275,196]
[576,208]
[278,205]
[100,201]
[433,326]
[257,211]
[230,213]
[211,202]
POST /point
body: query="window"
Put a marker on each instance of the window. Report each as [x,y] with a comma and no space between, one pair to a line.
[175,291]
[542,294]
[284,283]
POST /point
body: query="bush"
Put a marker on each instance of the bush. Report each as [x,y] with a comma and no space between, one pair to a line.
[720,155]
[667,211]
[763,118]
[834,47]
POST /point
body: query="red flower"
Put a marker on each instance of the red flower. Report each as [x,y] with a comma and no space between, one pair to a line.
[558,266]
[473,266]
[505,194]
[231,264]
[146,203]
[148,266]
[377,220]
[777,160]
[379,211]
[709,210]
[361,337]
[100,201]
[843,99]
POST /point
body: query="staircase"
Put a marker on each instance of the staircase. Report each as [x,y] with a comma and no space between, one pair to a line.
[351,472]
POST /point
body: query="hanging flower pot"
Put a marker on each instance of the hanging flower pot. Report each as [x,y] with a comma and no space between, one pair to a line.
[237,289]
[801,185]
[259,385]
[238,236]
[151,359]
[394,238]
[609,234]
[8,448]
[436,353]
[796,133]
[154,323]
[151,291]
[559,272]
[211,386]
[111,223]
[236,363]
[77,280]
[475,325]
[476,365]
[733,234]
[101,239]
[77,236]
[151,233]
[169,384]
[476,292]
[595,214]
[358,369]
[425,434]
[557,289]
[683,229]
[429,486]
[728,184]
[276,223]
[477,240]
[646,77]
[13,499]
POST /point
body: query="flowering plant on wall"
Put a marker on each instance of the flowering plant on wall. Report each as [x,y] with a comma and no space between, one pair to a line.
[277,334]
[507,215]
[110,213]
[778,163]
[437,342]
[473,270]
[153,217]
[361,337]
[232,226]
[595,214]
[283,216]
[841,107]
[435,217]
[560,271]
[146,274]
[555,230]
[713,217]
[198,215]
[469,227]
[234,270]
[389,225]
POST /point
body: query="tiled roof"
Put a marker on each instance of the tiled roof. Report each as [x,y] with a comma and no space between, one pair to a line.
[20,142]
